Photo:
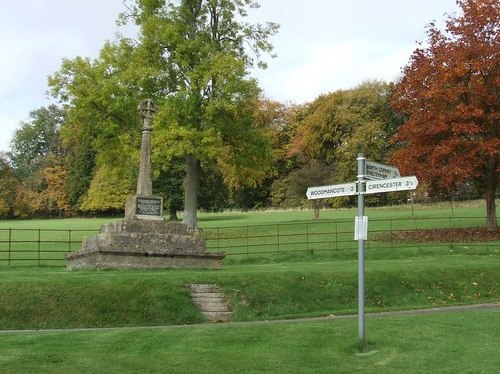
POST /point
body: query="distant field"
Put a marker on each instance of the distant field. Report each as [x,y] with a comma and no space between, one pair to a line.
[267,236]
[238,218]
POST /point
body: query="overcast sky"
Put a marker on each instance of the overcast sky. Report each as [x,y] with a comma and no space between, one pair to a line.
[322,45]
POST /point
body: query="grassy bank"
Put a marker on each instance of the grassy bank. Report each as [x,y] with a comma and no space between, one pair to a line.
[410,344]
[52,298]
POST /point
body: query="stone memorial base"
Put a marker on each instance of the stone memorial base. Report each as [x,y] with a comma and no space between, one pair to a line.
[143,244]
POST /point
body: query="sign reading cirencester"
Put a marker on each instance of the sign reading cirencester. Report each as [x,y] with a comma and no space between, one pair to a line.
[374,170]
[391,185]
[335,190]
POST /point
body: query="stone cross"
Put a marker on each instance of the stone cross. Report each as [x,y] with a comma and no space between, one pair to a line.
[147,108]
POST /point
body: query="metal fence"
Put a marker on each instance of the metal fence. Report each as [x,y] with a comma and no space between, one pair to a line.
[336,237]
[44,247]
[39,247]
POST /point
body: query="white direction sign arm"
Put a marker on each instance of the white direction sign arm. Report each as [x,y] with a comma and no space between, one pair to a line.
[390,185]
[336,190]
[374,170]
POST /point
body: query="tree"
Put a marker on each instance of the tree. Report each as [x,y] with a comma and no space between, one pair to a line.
[276,119]
[36,141]
[331,125]
[8,187]
[53,200]
[199,49]
[101,134]
[337,126]
[449,97]
[312,174]
[109,188]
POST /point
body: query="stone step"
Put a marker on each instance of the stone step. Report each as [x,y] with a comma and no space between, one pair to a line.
[204,288]
[218,316]
[213,308]
[208,296]
[211,302]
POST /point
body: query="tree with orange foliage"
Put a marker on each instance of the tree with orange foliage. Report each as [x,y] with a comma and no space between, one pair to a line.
[449,97]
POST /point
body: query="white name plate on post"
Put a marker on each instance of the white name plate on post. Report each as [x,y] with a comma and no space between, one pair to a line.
[361,228]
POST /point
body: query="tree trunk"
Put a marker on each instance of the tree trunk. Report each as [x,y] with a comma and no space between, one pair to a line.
[172,214]
[316,209]
[191,187]
[491,189]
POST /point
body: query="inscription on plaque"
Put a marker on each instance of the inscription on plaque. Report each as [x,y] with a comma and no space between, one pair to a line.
[148,206]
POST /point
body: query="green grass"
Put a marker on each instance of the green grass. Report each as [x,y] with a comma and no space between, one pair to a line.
[53,298]
[298,281]
[409,344]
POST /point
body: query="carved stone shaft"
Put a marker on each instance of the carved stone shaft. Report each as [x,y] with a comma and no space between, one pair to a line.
[144,185]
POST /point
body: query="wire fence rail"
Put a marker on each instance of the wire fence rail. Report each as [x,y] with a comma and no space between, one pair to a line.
[46,247]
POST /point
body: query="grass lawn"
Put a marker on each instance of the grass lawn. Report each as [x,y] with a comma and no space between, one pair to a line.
[458,342]
[282,285]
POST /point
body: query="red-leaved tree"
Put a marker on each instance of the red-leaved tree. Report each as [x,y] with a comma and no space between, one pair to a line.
[449,95]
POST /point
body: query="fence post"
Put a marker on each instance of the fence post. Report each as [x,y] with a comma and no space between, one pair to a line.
[39,237]
[69,240]
[218,239]
[392,236]
[10,244]
[278,238]
[247,241]
[307,236]
[336,236]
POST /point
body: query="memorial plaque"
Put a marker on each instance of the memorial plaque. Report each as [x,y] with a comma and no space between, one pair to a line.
[149,206]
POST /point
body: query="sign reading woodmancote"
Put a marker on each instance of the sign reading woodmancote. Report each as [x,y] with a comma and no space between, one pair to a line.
[148,206]
[335,190]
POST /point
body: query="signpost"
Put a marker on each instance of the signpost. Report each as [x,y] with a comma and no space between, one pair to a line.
[384,178]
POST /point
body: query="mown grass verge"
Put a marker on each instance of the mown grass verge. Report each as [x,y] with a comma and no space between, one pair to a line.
[464,342]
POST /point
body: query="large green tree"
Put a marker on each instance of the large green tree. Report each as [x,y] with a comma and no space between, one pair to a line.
[37,157]
[200,53]
[337,126]
[449,95]
[101,134]
[36,142]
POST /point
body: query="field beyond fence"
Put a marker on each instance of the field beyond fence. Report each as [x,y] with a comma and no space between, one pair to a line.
[265,242]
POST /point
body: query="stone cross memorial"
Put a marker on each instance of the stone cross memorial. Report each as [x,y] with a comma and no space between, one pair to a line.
[143,204]
[143,239]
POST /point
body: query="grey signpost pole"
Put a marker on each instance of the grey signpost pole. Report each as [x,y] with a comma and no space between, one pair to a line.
[361,250]
[386,179]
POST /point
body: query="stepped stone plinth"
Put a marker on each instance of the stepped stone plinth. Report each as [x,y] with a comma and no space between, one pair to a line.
[143,244]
